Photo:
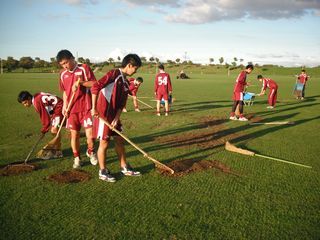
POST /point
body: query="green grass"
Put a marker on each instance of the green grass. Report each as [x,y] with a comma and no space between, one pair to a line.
[270,200]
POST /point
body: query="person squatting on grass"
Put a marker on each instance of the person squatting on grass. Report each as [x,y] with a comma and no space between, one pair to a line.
[162,89]
[302,79]
[272,85]
[134,84]
[79,112]
[238,93]
[49,108]
[109,96]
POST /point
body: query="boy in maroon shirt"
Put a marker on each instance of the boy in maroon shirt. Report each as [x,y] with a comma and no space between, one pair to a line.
[238,93]
[272,85]
[162,89]
[49,108]
[302,79]
[134,84]
[109,96]
[77,78]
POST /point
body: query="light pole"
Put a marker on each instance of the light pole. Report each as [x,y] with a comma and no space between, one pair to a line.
[1,66]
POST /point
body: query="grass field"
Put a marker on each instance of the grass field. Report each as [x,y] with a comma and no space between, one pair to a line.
[268,200]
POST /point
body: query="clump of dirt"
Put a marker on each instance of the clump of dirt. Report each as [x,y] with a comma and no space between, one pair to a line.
[17,169]
[254,118]
[184,167]
[211,132]
[73,176]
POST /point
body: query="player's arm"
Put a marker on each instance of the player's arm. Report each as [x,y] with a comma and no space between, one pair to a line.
[117,117]
[94,111]
[44,117]
[169,85]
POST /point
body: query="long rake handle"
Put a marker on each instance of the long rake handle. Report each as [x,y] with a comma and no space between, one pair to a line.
[33,148]
[142,102]
[136,147]
[281,160]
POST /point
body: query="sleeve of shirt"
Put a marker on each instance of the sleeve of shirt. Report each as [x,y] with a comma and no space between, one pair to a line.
[169,84]
[102,82]
[61,86]
[156,83]
[242,78]
[90,75]
[264,85]
[44,116]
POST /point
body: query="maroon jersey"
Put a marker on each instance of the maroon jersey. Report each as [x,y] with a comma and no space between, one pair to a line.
[162,83]
[303,78]
[240,82]
[47,105]
[268,83]
[82,98]
[112,90]
[133,89]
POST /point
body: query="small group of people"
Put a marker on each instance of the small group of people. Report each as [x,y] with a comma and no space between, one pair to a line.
[241,84]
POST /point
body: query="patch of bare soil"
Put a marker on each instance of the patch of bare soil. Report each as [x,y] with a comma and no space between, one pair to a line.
[17,169]
[254,118]
[211,132]
[184,167]
[73,176]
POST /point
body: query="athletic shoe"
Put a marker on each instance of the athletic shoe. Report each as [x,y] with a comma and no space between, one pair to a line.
[233,118]
[137,110]
[166,114]
[76,162]
[105,175]
[270,107]
[302,98]
[243,119]
[93,158]
[158,114]
[124,110]
[128,171]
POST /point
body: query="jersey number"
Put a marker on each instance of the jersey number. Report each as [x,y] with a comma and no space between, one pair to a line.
[49,100]
[163,81]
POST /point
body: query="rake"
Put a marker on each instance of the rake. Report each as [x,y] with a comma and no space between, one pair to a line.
[156,162]
[272,123]
[232,148]
[142,102]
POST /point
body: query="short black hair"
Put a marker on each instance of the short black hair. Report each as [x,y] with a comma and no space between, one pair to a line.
[64,54]
[259,76]
[250,66]
[24,95]
[139,79]
[132,58]
[161,66]
[303,70]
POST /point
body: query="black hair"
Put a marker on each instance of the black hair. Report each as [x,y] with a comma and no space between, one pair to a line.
[161,66]
[64,54]
[250,66]
[139,79]
[132,58]
[303,70]
[24,95]
[259,76]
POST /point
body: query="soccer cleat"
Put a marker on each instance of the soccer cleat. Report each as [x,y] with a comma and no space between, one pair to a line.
[270,107]
[302,98]
[124,110]
[233,118]
[243,119]
[76,162]
[137,110]
[93,158]
[105,175]
[158,114]
[128,171]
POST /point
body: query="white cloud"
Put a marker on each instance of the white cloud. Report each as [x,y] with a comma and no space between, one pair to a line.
[81,2]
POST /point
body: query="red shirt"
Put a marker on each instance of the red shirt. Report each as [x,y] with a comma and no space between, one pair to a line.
[47,105]
[240,82]
[268,83]
[82,98]
[162,83]
[303,78]
[133,89]
[112,90]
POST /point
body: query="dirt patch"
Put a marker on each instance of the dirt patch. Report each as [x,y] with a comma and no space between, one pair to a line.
[73,176]
[254,118]
[211,132]
[184,167]
[17,169]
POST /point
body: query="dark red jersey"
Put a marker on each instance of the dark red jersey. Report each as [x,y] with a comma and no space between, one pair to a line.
[240,82]
[82,99]
[268,83]
[303,78]
[162,83]
[112,90]
[133,89]
[47,105]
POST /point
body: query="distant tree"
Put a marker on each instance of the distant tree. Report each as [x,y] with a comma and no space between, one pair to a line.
[234,64]
[157,60]
[54,63]
[235,59]
[178,60]
[143,59]
[110,60]
[170,61]
[151,59]
[26,62]
[119,58]
[211,60]
[190,62]
[11,64]
[221,60]
[241,59]
[87,61]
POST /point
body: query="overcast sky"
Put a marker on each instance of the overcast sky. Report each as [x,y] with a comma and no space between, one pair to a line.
[282,32]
